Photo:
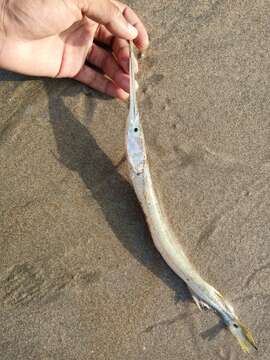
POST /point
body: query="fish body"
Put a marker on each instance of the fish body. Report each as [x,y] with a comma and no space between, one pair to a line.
[204,295]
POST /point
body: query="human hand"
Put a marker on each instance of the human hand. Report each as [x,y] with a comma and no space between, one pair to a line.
[57,39]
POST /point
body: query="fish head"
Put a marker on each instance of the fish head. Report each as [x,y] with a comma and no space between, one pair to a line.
[242,334]
[236,327]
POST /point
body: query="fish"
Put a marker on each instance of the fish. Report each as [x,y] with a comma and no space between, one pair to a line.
[204,295]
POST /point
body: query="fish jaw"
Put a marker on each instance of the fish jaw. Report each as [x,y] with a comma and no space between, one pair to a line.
[242,334]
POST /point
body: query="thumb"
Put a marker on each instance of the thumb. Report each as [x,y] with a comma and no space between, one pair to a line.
[106,13]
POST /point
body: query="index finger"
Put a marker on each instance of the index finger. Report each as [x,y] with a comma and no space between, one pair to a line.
[142,39]
[107,13]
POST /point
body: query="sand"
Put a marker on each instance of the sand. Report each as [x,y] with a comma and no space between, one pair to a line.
[79,275]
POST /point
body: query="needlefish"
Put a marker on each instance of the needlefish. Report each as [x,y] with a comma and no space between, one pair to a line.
[203,294]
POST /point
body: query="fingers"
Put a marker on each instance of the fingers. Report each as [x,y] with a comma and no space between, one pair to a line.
[121,51]
[107,13]
[119,46]
[104,36]
[119,19]
[98,82]
[142,39]
[106,62]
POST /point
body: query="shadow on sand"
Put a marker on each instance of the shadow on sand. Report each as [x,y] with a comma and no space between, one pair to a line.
[79,151]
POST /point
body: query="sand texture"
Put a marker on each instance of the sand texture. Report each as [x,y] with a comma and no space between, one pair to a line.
[79,276]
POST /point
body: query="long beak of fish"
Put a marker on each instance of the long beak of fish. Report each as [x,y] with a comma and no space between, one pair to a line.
[239,331]
[243,335]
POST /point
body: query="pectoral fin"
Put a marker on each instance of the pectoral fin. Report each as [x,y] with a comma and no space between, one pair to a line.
[200,303]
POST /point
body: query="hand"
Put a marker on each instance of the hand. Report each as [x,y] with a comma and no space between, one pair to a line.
[56,38]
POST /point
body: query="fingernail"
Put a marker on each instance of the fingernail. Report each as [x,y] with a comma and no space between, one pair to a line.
[126,100]
[124,82]
[132,30]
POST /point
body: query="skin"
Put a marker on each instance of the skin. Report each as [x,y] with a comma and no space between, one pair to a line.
[59,38]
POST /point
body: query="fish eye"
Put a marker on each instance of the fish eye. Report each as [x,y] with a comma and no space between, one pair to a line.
[135,129]
[236,326]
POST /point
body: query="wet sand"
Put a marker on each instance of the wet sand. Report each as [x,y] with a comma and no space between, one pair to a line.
[79,275]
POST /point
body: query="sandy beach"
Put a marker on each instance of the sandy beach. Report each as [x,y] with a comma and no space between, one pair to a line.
[80,278]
